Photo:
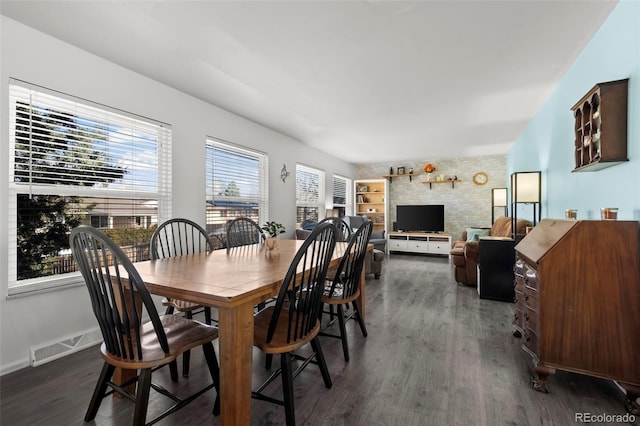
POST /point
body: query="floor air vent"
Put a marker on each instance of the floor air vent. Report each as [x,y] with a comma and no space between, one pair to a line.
[50,351]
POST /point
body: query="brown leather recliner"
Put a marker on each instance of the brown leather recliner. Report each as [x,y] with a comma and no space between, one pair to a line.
[464,254]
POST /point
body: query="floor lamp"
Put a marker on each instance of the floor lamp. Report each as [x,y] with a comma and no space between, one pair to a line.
[526,188]
[499,201]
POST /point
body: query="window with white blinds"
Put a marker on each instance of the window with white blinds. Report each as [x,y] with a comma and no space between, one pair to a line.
[75,162]
[237,185]
[341,195]
[309,193]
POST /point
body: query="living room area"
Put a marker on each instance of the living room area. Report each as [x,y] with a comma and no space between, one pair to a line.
[554,143]
[438,352]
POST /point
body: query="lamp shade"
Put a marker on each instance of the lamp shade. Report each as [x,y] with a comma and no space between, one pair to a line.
[525,187]
[499,197]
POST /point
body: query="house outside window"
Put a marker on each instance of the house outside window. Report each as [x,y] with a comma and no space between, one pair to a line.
[236,185]
[100,221]
[76,162]
[309,194]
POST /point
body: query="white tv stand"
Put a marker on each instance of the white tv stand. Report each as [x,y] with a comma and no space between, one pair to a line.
[420,242]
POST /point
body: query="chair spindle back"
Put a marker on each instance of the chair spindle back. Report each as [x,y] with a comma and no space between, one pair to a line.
[179,237]
[114,288]
[301,292]
[344,230]
[347,277]
[243,231]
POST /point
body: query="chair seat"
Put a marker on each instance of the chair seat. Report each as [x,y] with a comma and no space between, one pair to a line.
[337,298]
[182,334]
[181,305]
[279,342]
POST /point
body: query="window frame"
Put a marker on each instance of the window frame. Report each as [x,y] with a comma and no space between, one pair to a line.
[161,193]
[312,204]
[262,183]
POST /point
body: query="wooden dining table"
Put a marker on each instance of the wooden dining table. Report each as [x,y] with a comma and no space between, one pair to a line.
[234,282]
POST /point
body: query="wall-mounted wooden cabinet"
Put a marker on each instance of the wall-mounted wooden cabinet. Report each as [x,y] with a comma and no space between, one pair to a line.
[601,127]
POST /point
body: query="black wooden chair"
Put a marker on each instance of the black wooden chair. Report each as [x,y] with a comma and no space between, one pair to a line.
[181,237]
[345,287]
[344,230]
[294,320]
[243,231]
[120,301]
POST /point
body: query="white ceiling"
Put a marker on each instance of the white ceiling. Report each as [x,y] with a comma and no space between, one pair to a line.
[368,81]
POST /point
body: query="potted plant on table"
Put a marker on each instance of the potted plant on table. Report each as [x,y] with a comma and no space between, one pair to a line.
[273,229]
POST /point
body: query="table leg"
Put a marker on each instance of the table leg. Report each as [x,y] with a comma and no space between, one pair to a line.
[236,364]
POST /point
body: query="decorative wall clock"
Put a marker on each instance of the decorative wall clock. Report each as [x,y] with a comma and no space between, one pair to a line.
[480,178]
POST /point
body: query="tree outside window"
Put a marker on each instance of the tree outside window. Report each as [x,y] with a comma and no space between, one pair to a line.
[74,162]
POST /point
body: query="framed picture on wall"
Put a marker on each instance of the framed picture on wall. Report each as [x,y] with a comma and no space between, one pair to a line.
[400,170]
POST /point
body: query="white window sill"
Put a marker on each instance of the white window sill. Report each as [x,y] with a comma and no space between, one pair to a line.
[43,285]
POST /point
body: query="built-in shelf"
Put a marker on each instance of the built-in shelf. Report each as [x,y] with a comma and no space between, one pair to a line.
[371,201]
[452,182]
[390,177]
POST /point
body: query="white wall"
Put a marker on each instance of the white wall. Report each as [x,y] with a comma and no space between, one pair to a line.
[37,58]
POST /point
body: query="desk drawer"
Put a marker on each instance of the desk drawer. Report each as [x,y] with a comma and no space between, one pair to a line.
[531,298]
[531,278]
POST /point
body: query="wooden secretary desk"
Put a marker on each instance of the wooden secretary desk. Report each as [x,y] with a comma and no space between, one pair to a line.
[577,287]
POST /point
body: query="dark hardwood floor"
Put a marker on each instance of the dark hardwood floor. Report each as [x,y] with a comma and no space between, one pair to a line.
[436,355]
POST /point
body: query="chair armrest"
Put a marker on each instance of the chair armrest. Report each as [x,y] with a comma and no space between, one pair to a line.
[471,251]
[379,244]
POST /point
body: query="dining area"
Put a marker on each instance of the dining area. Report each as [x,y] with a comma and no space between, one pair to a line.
[272,300]
[436,354]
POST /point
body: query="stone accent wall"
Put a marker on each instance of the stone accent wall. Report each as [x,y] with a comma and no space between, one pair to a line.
[466,205]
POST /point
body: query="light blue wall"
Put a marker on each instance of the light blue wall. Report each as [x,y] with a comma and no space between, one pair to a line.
[547,142]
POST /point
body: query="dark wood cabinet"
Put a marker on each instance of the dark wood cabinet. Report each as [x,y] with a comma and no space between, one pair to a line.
[577,286]
[601,126]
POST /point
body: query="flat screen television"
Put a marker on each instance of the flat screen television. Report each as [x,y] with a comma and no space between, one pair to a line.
[420,218]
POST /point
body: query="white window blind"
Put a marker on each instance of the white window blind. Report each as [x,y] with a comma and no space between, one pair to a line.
[309,193]
[341,195]
[237,185]
[74,161]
